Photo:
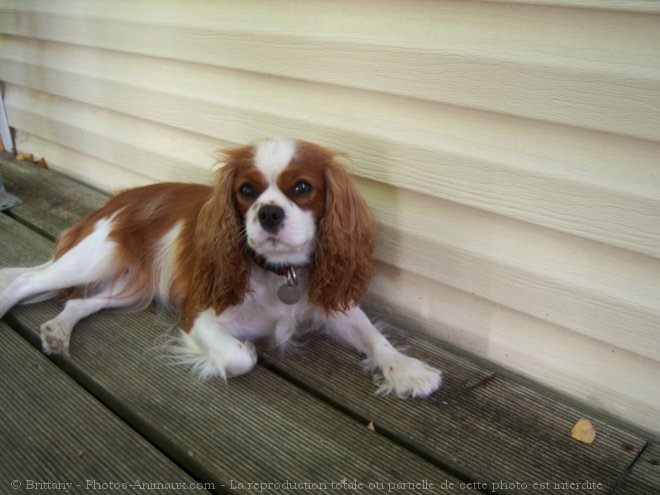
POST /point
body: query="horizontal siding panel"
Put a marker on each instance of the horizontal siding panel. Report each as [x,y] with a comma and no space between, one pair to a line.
[545,174]
[89,169]
[155,151]
[645,6]
[602,292]
[467,47]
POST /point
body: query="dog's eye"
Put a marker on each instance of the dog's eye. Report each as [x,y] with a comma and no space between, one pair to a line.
[248,190]
[301,188]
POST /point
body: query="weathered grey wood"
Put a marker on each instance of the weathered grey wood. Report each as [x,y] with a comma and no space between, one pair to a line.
[258,428]
[53,431]
[505,432]
[499,432]
[644,477]
[51,202]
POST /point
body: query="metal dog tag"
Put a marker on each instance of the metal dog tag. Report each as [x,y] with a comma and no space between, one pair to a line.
[288,294]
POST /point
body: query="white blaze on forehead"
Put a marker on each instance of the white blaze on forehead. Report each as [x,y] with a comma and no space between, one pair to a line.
[273,155]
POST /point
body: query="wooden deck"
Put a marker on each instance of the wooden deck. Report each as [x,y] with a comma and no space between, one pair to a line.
[118,413]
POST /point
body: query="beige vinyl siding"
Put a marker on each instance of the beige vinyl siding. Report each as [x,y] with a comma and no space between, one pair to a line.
[510,150]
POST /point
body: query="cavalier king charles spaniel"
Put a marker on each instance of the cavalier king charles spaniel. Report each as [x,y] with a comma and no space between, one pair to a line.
[281,243]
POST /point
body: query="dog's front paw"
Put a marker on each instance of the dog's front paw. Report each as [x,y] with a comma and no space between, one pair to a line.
[240,360]
[232,358]
[55,337]
[404,376]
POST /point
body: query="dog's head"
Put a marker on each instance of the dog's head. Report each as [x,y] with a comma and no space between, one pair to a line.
[292,203]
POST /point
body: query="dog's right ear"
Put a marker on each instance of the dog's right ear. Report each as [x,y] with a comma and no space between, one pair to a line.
[220,266]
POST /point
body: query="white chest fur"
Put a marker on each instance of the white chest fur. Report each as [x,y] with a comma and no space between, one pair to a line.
[263,315]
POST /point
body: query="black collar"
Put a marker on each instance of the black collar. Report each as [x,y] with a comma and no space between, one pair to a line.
[276,268]
[288,292]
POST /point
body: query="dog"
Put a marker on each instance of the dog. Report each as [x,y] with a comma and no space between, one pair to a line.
[282,242]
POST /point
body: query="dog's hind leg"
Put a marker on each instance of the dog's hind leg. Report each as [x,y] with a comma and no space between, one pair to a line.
[91,261]
[56,333]
[8,275]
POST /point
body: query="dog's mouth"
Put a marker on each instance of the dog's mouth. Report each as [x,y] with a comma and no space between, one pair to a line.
[266,240]
[278,250]
[273,242]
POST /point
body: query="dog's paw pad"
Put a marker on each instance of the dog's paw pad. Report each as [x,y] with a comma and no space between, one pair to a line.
[55,337]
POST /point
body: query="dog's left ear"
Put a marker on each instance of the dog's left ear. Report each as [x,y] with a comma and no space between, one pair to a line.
[343,257]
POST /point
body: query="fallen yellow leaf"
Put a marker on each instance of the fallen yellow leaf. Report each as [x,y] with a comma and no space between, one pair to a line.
[583,431]
[24,157]
[371,426]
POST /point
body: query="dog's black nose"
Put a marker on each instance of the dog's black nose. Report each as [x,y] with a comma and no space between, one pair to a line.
[270,216]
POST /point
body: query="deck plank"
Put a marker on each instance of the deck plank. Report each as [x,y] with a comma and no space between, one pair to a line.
[53,431]
[51,202]
[258,428]
[644,477]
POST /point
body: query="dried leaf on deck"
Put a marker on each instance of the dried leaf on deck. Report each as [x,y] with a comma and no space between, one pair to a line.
[583,431]
[24,157]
